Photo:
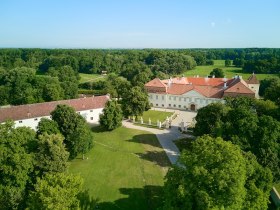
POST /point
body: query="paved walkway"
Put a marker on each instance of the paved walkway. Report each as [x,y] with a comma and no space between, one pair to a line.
[166,136]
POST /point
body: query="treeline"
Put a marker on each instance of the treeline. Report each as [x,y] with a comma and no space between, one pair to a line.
[167,61]
[22,85]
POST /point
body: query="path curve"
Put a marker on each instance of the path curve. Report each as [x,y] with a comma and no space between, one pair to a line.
[166,136]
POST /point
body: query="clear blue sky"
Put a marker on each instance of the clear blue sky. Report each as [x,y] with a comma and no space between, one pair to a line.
[139,23]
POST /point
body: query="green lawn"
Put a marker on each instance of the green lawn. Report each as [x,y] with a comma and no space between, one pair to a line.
[124,170]
[231,71]
[90,77]
[277,186]
[154,116]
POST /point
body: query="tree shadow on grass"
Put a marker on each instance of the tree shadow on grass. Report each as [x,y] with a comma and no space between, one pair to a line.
[98,129]
[86,202]
[148,198]
[149,139]
[157,157]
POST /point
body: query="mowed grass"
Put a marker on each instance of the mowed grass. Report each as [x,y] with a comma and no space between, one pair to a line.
[277,186]
[155,115]
[124,170]
[90,77]
[230,71]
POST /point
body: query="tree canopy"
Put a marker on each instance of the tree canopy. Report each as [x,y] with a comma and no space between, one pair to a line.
[215,174]
[111,117]
[77,134]
[135,102]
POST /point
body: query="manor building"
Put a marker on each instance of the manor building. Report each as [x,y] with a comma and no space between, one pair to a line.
[29,115]
[192,93]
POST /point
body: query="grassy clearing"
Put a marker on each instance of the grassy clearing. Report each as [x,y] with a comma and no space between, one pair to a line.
[124,170]
[90,77]
[230,71]
[154,116]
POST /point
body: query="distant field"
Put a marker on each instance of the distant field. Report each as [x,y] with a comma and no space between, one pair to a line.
[231,71]
[124,170]
[90,77]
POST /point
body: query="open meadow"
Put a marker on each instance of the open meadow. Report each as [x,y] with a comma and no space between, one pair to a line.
[230,71]
[124,170]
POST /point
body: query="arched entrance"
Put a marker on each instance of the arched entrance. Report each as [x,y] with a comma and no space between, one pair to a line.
[192,107]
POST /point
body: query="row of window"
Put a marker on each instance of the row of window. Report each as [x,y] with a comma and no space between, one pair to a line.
[174,105]
[196,100]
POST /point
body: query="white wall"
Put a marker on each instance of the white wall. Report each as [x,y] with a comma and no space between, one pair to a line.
[255,88]
[181,101]
[91,116]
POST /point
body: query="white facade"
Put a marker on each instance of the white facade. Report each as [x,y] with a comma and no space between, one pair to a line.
[91,116]
[191,100]
[255,88]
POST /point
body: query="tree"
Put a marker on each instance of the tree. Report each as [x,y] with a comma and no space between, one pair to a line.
[135,102]
[240,126]
[47,126]
[78,137]
[227,62]
[56,191]
[266,144]
[81,140]
[209,119]
[15,164]
[213,177]
[215,174]
[272,92]
[51,155]
[217,72]
[111,118]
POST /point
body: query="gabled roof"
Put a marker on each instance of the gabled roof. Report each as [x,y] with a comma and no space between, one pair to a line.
[208,87]
[239,86]
[179,89]
[253,79]
[44,109]
[207,81]
[210,92]
[155,83]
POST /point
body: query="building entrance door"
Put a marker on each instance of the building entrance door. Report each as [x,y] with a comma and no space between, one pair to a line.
[193,107]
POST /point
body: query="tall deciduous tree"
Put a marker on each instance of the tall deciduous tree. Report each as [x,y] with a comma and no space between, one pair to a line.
[209,119]
[56,191]
[215,174]
[15,164]
[47,126]
[135,102]
[78,137]
[217,72]
[111,117]
[51,155]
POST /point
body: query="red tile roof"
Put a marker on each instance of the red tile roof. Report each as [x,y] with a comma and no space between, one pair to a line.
[179,89]
[252,80]
[208,87]
[155,83]
[44,109]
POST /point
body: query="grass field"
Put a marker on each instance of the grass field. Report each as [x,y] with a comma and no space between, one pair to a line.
[277,186]
[124,170]
[231,71]
[90,77]
[155,115]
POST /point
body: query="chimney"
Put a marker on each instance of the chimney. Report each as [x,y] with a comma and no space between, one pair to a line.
[225,84]
[213,76]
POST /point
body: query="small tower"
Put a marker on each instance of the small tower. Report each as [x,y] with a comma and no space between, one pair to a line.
[254,84]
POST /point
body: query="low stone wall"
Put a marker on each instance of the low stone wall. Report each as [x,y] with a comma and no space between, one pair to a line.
[275,196]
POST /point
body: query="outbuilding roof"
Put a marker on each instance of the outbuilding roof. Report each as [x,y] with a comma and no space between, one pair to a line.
[44,109]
